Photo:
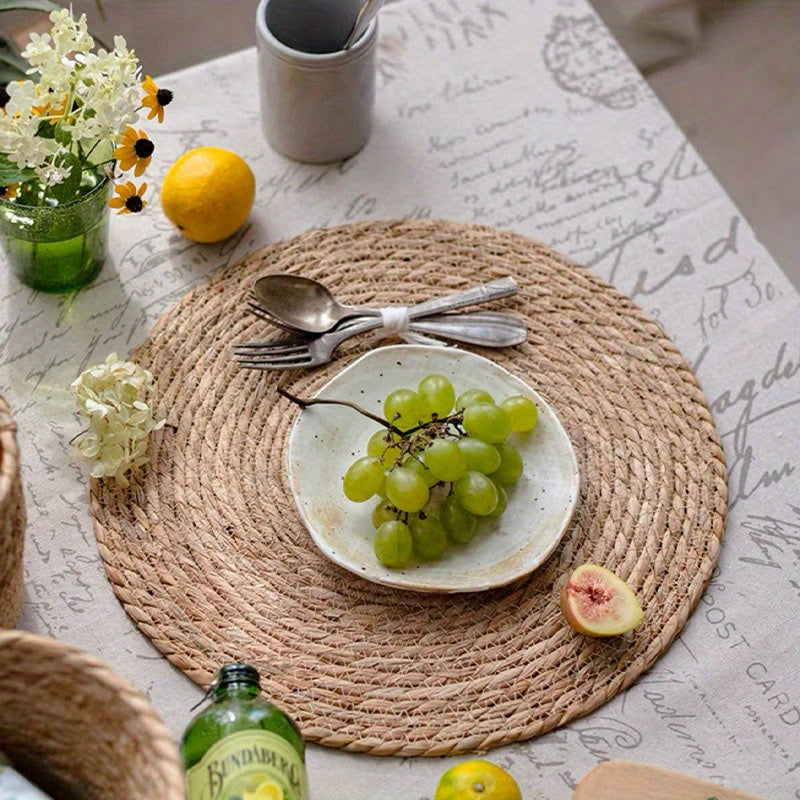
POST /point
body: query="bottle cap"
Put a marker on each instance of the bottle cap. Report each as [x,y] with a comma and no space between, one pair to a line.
[228,674]
[237,673]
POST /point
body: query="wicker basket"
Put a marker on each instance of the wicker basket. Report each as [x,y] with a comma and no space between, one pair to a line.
[77,730]
[12,521]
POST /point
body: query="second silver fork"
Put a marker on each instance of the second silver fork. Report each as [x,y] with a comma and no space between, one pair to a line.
[478,329]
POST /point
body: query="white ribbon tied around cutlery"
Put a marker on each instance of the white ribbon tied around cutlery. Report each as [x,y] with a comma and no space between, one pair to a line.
[398,322]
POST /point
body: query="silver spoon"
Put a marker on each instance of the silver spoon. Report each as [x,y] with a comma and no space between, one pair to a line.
[366,14]
[303,303]
[307,305]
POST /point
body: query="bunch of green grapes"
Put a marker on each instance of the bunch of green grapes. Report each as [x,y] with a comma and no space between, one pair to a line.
[441,464]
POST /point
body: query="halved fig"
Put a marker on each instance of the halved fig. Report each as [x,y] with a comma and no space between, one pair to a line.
[597,602]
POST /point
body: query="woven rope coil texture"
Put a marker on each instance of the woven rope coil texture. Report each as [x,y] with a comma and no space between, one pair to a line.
[77,729]
[12,521]
[208,555]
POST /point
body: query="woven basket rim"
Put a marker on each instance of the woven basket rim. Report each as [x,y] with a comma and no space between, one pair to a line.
[56,648]
[133,699]
[9,451]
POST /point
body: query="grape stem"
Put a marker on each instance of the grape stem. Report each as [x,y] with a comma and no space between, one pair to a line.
[304,402]
[408,442]
[454,419]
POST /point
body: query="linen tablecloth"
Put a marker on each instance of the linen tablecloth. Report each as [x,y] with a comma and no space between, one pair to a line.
[526,115]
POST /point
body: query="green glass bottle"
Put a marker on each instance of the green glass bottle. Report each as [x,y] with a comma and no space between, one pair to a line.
[241,747]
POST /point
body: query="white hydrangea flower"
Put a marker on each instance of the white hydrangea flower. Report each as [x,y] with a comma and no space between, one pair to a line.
[26,150]
[116,398]
[39,52]
[21,98]
[69,34]
[86,130]
[51,174]
[52,55]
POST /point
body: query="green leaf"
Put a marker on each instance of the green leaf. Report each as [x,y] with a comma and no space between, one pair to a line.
[46,130]
[8,74]
[65,191]
[30,5]
[15,175]
[11,173]
[61,136]
[12,65]
[47,6]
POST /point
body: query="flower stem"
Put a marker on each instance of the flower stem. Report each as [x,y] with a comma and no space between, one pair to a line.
[78,436]
[85,158]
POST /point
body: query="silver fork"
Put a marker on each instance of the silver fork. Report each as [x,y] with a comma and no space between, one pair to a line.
[486,329]
[317,351]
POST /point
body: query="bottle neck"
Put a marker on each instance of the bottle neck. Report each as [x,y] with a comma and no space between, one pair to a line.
[243,689]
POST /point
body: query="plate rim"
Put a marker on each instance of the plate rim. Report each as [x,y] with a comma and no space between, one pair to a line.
[340,561]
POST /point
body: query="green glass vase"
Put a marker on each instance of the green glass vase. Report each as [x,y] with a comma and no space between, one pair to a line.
[57,247]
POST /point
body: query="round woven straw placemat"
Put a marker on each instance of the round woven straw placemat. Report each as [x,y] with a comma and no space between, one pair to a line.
[209,557]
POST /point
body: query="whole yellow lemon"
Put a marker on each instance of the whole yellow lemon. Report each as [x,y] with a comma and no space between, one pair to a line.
[477,780]
[208,193]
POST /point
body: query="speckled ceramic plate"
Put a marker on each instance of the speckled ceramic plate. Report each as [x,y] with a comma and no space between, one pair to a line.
[326,439]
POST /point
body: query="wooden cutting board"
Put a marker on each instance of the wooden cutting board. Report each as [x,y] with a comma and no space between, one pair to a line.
[622,780]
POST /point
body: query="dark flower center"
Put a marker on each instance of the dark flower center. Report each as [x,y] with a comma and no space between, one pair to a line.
[144,148]
[134,204]
[164,97]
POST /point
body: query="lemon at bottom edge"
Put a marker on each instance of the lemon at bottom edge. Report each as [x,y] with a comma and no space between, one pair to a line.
[477,780]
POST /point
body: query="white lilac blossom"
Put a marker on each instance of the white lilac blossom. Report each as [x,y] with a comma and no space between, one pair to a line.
[116,398]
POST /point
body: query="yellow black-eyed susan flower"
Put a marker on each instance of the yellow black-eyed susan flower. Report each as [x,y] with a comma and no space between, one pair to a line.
[9,192]
[155,99]
[52,111]
[129,199]
[134,150]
